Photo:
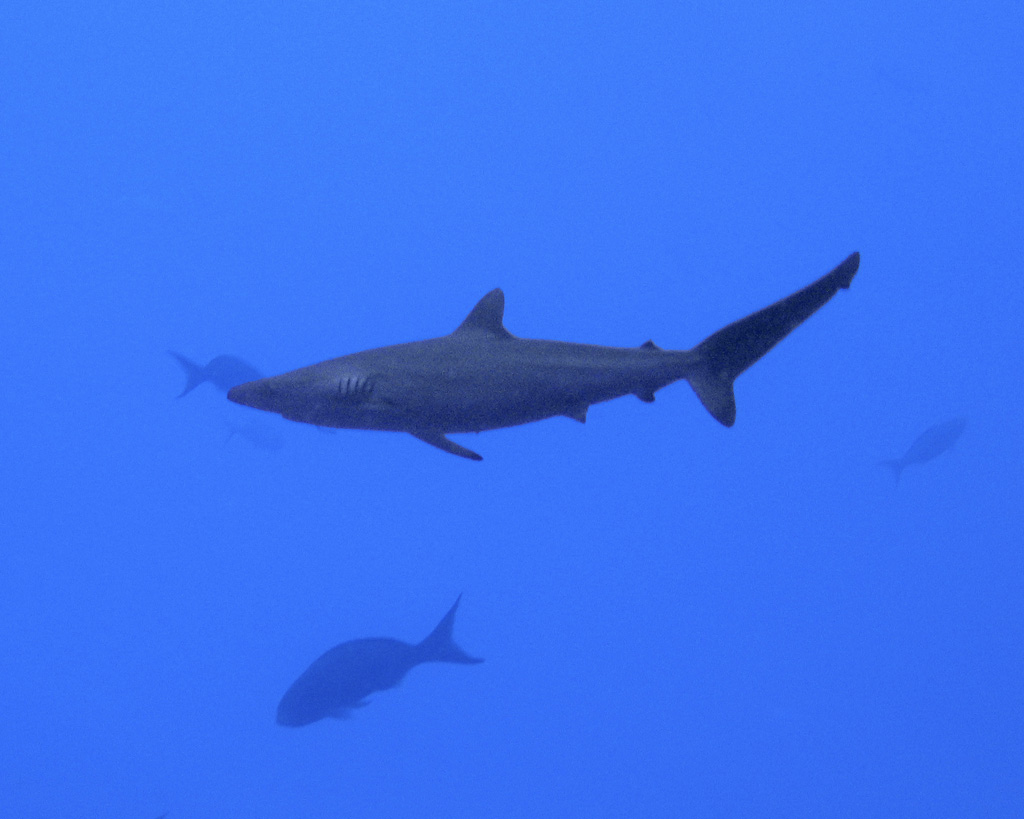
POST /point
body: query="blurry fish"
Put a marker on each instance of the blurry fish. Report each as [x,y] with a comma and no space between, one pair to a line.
[224,372]
[929,444]
[258,435]
[482,377]
[343,677]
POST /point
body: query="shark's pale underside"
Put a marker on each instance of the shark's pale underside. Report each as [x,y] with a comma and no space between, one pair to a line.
[482,377]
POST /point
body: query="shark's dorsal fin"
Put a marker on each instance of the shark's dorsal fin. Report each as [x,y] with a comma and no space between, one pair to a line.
[487,316]
[649,345]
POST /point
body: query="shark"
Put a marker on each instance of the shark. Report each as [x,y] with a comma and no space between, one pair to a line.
[342,678]
[481,377]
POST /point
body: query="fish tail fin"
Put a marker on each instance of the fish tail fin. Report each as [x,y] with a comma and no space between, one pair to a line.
[438,646]
[194,374]
[717,361]
[896,467]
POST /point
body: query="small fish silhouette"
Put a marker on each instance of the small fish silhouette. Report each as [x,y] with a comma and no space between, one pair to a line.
[342,678]
[224,372]
[258,435]
[929,444]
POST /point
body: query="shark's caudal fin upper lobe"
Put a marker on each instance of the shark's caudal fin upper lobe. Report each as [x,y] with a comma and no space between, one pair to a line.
[438,646]
[721,357]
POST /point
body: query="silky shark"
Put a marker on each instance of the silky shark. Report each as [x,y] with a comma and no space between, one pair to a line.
[482,377]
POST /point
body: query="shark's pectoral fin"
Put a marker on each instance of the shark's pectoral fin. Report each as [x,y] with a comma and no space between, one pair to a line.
[436,438]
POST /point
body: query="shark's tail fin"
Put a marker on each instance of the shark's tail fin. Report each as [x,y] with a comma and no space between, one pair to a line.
[439,647]
[896,466]
[722,356]
[194,374]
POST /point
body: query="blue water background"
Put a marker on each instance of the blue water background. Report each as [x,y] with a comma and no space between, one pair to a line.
[677,619]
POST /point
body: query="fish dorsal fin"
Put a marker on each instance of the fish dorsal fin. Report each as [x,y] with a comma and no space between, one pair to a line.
[487,316]
[649,345]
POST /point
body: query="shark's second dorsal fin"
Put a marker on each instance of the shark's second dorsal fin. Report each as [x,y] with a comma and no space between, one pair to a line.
[487,316]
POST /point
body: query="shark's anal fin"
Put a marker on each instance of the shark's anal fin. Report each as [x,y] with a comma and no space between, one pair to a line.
[646,394]
[578,413]
[437,438]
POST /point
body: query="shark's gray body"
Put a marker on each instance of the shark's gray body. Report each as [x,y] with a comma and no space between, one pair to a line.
[482,377]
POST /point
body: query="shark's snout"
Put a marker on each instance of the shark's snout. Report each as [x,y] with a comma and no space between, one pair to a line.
[255,394]
[287,395]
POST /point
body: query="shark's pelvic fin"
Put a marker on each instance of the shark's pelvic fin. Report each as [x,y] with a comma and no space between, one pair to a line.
[437,438]
[487,316]
[722,356]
